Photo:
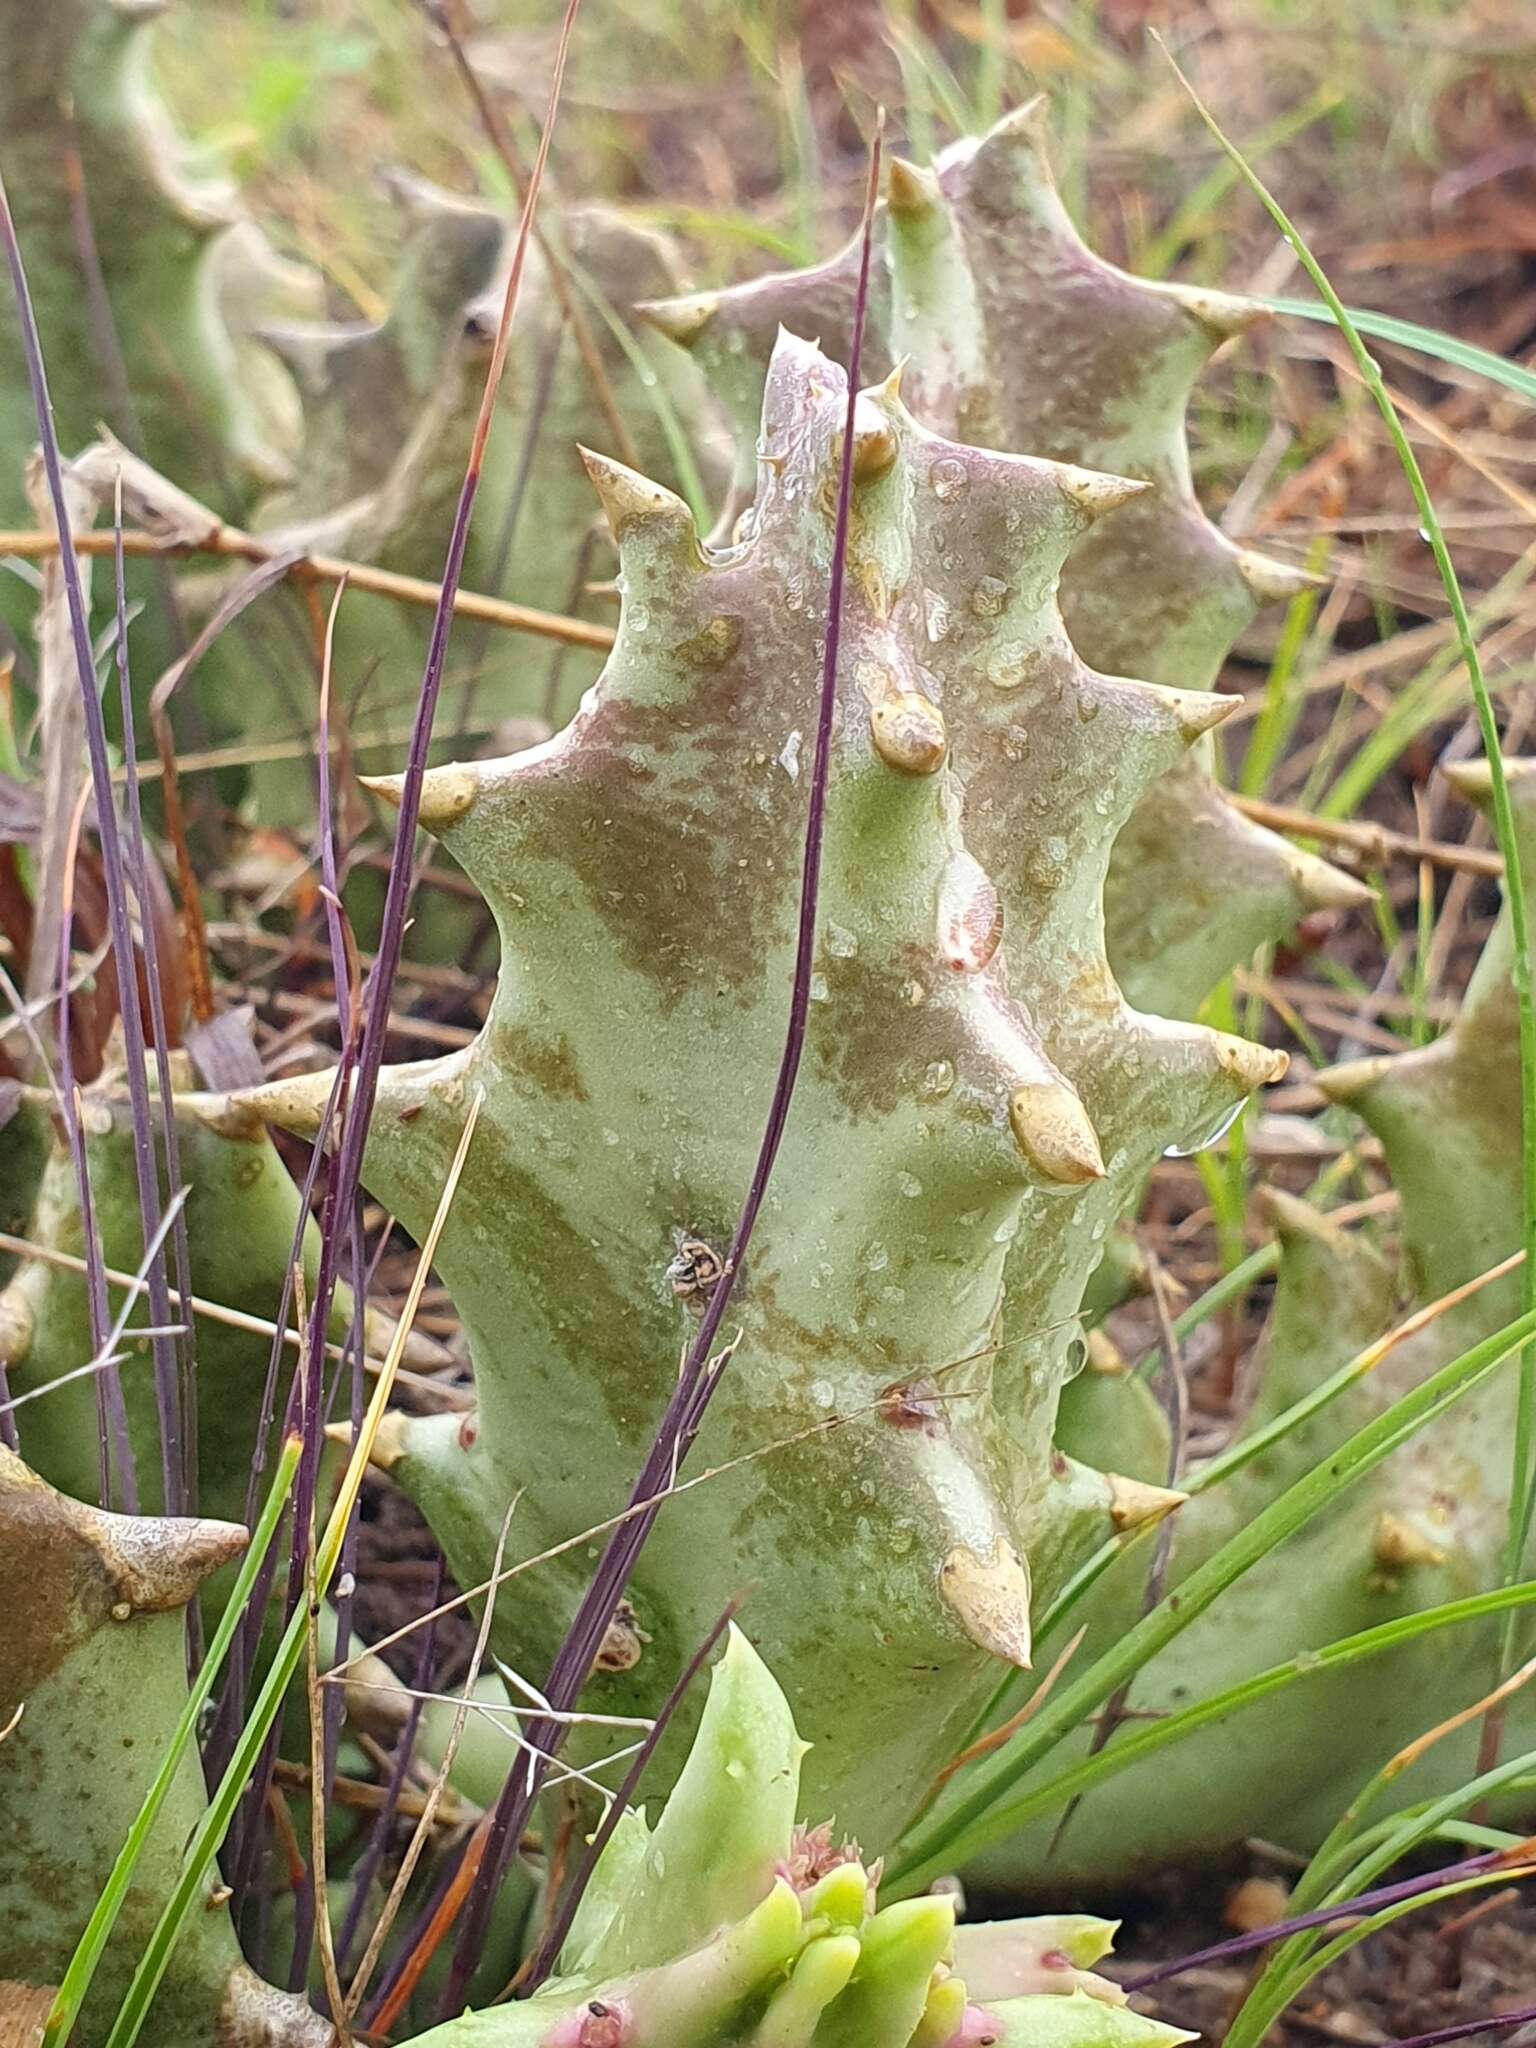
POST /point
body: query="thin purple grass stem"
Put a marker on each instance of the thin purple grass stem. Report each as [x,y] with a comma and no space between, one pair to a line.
[699,1377]
[560,1925]
[180,1250]
[146,1170]
[1346,1909]
[112,1439]
[1464,2029]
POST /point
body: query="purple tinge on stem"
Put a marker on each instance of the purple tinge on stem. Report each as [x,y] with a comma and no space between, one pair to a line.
[1323,1916]
[684,1414]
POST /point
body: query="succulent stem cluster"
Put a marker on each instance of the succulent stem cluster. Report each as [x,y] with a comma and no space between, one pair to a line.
[726,1923]
[976,1102]
[1016,336]
[164,309]
[1029,884]
[1430,1525]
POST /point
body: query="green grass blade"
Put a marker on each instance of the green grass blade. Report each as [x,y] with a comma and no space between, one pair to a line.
[1247,2032]
[1523,1484]
[1133,1746]
[209,1833]
[1425,341]
[1283,706]
[1287,1967]
[88,1953]
[985,1814]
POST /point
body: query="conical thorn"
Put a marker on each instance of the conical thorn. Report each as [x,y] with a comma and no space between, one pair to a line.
[1470,779]
[1322,886]
[1346,1084]
[1132,1502]
[389,789]
[18,1321]
[1250,1066]
[629,499]
[255,2014]
[909,189]
[908,733]
[1275,582]
[1473,780]
[989,1597]
[888,390]
[296,1104]
[389,1442]
[227,1116]
[447,794]
[1295,1221]
[1222,314]
[1052,1130]
[1198,712]
[875,441]
[157,1564]
[1104,1356]
[1094,492]
[1396,1544]
[680,320]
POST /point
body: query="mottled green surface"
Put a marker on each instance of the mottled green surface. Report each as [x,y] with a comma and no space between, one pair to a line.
[1429,1526]
[958,1095]
[241,1212]
[203,352]
[726,1925]
[94,1652]
[1018,337]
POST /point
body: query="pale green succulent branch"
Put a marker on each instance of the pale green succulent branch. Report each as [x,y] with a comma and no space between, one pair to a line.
[242,1215]
[176,321]
[976,1105]
[93,1667]
[157,313]
[1429,1527]
[1015,335]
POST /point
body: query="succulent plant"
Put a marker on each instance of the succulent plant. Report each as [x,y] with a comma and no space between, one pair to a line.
[388,408]
[182,277]
[1430,1525]
[208,352]
[727,1923]
[972,1081]
[1016,336]
[242,1212]
[93,1655]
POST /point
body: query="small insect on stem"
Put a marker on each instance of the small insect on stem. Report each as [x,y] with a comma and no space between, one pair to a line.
[695,1272]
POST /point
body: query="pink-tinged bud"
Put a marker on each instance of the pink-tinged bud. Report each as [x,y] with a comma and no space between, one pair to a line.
[599,2023]
[979,2029]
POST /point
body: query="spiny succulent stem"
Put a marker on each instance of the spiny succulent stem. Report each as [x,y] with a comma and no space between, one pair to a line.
[1523,1491]
[697,1380]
